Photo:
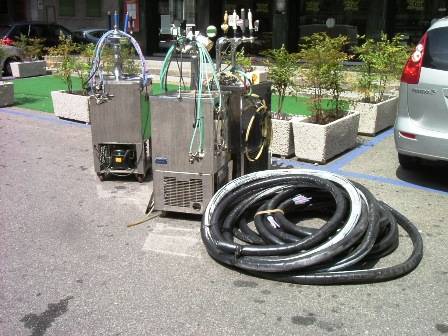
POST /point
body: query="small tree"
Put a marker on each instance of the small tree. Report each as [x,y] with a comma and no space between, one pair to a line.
[127,55]
[67,66]
[383,61]
[82,65]
[282,69]
[33,48]
[324,57]
[243,61]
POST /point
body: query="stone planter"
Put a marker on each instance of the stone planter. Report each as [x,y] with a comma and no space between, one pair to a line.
[376,117]
[282,143]
[28,69]
[6,93]
[319,143]
[71,106]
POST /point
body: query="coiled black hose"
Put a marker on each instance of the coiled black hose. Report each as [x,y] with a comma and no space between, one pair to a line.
[358,232]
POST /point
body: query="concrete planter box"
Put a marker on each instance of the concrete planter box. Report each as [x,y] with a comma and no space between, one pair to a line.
[282,138]
[71,106]
[6,93]
[28,69]
[319,143]
[376,117]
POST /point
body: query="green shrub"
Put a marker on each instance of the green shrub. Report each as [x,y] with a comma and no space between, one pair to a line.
[66,50]
[83,65]
[282,69]
[128,58]
[33,48]
[383,61]
[323,58]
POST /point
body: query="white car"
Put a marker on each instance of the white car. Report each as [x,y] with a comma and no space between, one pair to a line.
[421,127]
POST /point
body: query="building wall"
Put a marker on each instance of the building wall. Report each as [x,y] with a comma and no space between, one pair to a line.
[49,11]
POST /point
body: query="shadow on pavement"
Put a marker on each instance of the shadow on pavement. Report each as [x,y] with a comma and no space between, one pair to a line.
[433,177]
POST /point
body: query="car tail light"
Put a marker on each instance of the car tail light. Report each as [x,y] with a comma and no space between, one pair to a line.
[7,41]
[408,135]
[411,72]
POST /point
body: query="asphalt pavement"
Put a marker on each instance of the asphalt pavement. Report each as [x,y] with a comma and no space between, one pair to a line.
[69,265]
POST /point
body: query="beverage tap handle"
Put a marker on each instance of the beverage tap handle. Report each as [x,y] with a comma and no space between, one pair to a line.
[250,19]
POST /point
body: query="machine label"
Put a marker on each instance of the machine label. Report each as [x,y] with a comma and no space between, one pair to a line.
[161,160]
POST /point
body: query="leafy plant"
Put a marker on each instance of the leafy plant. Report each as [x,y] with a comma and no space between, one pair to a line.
[127,55]
[282,69]
[324,56]
[33,48]
[67,66]
[383,61]
[83,64]
[243,61]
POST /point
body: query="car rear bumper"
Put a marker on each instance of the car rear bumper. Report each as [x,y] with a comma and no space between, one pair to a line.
[427,144]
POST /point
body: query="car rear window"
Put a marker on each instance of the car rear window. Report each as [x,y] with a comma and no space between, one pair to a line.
[98,33]
[4,30]
[19,30]
[436,53]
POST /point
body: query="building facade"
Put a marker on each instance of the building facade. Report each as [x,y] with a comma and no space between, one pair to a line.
[283,22]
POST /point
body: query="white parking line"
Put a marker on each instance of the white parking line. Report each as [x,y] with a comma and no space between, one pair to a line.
[172,240]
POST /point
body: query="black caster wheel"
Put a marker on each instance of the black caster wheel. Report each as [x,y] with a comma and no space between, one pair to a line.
[140,177]
[101,177]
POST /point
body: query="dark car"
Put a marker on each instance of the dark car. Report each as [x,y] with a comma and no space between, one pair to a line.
[90,35]
[48,31]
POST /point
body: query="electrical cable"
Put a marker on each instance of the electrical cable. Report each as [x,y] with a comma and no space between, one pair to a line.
[359,229]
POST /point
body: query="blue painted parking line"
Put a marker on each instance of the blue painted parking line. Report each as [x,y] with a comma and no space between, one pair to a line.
[41,117]
[386,180]
[338,165]
[360,150]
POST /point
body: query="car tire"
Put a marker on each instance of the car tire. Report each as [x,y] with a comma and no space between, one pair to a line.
[407,162]
[7,66]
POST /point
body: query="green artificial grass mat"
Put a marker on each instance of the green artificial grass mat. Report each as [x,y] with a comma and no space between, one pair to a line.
[293,106]
[35,93]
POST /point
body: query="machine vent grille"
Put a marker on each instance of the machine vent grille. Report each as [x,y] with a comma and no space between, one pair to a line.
[182,193]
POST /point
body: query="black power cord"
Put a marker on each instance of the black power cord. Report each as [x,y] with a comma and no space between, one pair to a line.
[358,232]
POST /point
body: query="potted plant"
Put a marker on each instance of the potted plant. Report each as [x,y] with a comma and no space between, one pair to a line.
[71,104]
[33,65]
[383,61]
[331,129]
[282,69]
[6,88]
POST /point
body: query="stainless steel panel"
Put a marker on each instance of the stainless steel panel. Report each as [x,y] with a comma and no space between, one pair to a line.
[124,119]
[181,185]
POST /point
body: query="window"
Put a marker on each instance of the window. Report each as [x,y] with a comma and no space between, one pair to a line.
[93,8]
[3,7]
[67,7]
[20,30]
[436,54]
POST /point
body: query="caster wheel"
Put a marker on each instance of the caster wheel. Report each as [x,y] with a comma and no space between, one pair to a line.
[140,178]
[101,177]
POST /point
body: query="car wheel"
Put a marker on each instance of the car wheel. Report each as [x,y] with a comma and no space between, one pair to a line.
[407,162]
[7,66]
